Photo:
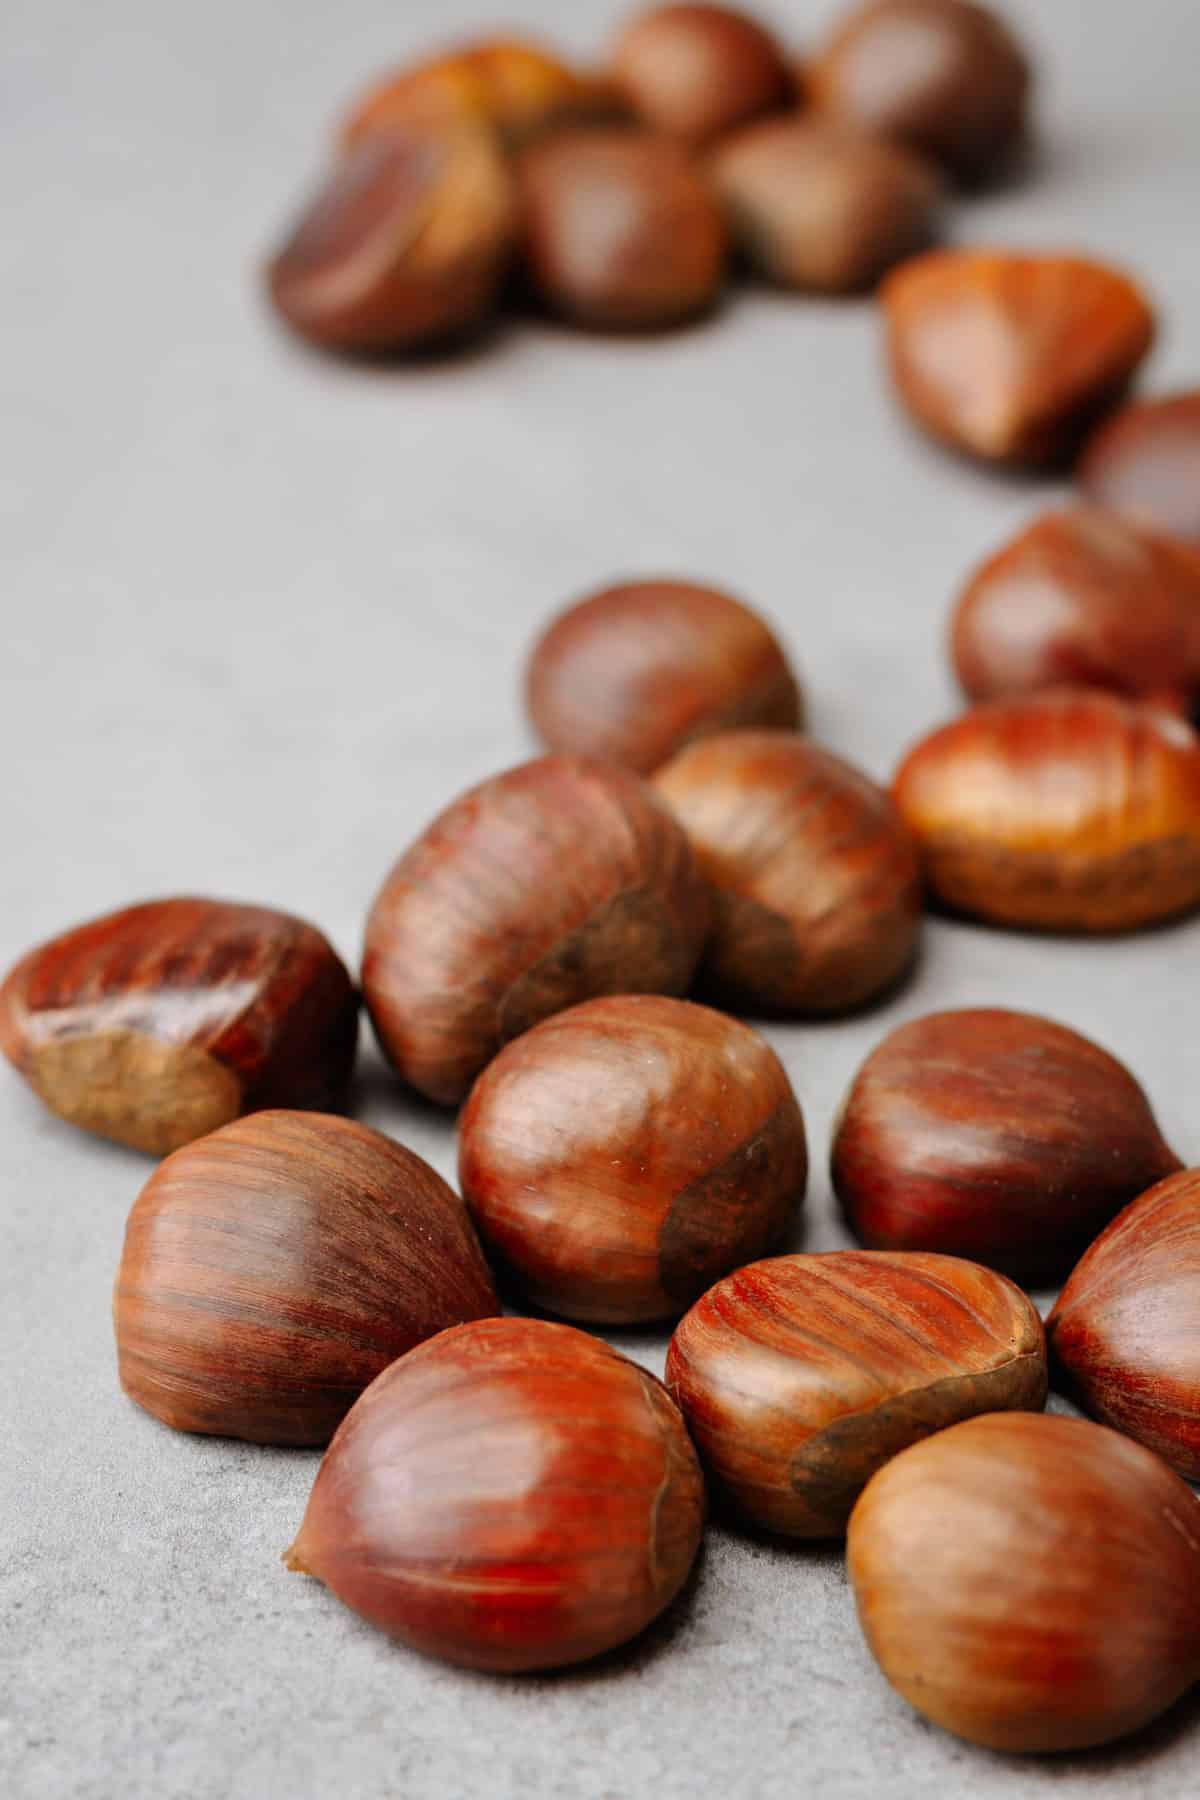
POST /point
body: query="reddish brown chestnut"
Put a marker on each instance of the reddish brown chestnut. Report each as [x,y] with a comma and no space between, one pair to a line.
[1066,810]
[512,1495]
[814,874]
[1030,1582]
[554,882]
[621,1156]
[1144,462]
[1124,1333]
[1012,357]
[272,1269]
[637,671]
[800,1376]
[158,1023]
[994,1135]
[697,71]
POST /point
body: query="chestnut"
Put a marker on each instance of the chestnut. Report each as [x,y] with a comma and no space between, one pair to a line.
[1030,1582]
[1144,462]
[272,1269]
[815,878]
[800,1376]
[698,71]
[635,672]
[1010,357]
[1065,810]
[404,246]
[1123,1334]
[620,230]
[817,206]
[512,1495]
[551,883]
[994,1135]
[160,1022]
[622,1155]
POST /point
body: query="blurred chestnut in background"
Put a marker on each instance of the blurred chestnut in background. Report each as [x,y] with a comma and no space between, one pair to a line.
[273,1268]
[994,1135]
[1065,810]
[800,1376]
[551,883]
[637,671]
[160,1022]
[1012,357]
[620,230]
[1144,462]
[621,1156]
[815,878]
[513,1495]
[697,71]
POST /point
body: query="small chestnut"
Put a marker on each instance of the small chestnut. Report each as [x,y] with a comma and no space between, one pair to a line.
[622,1155]
[1144,462]
[273,1268]
[698,71]
[1065,810]
[815,879]
[512,1495]
[635,672]
[553,882]
[1029,1581]
[160,1022]
[800,1376]
[993,1135]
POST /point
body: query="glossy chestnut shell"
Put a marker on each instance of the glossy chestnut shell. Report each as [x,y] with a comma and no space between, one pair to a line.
[698,71]
[1144,463]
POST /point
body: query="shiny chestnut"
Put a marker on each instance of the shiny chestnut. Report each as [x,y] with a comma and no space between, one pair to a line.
[1144,463]
[696,72]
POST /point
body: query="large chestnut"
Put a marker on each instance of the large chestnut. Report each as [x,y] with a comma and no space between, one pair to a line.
[698,71]
[512,1495]
[1065,810]
[1030,1582]
[622,1155]
[1144,462]
[994,1135]
[272,1269]
[554,882]
[160,1022]
[801,1376]
[635,672]
[815,878]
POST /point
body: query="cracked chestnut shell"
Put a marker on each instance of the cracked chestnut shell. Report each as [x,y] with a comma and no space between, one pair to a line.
[554,882]
[994,1135]
[695,72]
[160,1022]
[621,1156]
[512,1495]
[800,1376]
[1144,463]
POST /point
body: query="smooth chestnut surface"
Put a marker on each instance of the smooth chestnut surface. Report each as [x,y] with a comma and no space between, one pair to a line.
[698,71]
[944,77]
[273,1268]
[557,881]
[160,1022]
[1125,1334]
[815,878]
[1012,357]
[1065,810]
[994,1135]
[1081,596]
[1144,462]
[800,1376]
[620,230]
[404,246]
[820,206]
[622,1155]
[1030,1582]
[635,672]
[512,1495]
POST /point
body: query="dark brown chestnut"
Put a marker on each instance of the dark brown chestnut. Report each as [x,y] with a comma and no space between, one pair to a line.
[158,1023]
[621,1156]
[1144,462]
[272,1269]
[800,1376]
[512,1495]
[994,1135]
[698,71]
[815,879]
[554,882]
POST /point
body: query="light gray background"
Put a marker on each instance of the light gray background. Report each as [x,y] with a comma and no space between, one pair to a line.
[264,613]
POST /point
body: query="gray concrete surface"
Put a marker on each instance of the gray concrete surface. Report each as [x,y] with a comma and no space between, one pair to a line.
[263,614]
